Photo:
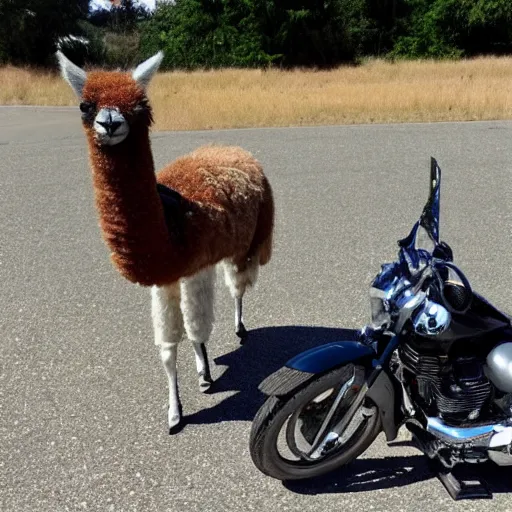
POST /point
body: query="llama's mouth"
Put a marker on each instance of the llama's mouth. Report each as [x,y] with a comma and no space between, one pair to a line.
[104,139]
[110,127]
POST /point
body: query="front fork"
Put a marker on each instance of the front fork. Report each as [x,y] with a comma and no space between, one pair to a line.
[380,389]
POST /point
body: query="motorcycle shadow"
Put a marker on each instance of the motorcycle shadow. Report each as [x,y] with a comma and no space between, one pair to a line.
[265,351]
[367,475]
[372,474]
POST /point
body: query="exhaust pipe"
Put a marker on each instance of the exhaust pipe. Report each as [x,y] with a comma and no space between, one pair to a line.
[455,435]
[497,439]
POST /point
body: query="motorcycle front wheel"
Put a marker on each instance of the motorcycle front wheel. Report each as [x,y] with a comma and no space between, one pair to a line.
[292,438]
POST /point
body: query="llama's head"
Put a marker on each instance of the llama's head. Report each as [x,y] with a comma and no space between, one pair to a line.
[112,103]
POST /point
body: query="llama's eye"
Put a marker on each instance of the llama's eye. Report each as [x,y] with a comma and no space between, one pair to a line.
[86,107]
[141,107]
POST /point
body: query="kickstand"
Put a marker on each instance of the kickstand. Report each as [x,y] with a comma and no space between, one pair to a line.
[461,483]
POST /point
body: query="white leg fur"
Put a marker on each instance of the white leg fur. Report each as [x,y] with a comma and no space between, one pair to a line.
[168,327]
[201,361]
[197,293]
[197,296]
[237,281]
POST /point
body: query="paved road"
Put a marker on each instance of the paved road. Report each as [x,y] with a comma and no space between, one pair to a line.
[82,394]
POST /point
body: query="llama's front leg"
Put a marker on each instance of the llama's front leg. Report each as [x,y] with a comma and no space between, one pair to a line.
[168,326]
[169,355]
[203,367]
[197,294]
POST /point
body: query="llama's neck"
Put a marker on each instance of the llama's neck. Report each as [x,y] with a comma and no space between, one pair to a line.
[131,213]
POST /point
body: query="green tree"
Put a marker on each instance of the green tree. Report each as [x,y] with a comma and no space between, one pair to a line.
[123,18]
[313,32]
[213,33]
[489,27]
[118,28]
[453,28]
[385,21]
[205,33]
[29,29]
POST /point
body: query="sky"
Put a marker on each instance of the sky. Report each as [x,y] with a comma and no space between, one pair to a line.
[106,3]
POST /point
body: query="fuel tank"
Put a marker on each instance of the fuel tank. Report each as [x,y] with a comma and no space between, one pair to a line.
[499,366]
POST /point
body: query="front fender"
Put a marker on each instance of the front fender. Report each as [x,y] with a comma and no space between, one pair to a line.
[326,357]
[306,365]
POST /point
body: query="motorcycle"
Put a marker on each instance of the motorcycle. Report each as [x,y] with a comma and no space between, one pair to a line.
[436,357]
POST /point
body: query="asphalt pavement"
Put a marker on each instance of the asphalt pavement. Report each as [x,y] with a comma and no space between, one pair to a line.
[82,391]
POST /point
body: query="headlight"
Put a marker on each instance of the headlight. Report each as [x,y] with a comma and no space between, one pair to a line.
[432,319]
[380,315]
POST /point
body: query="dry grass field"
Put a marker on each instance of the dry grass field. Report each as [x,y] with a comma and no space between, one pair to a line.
[375,92]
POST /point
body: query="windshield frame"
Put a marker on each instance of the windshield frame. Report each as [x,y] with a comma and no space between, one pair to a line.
[399,283]
[414,257]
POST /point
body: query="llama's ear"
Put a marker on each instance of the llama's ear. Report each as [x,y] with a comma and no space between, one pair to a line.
[145,71]
[73,75]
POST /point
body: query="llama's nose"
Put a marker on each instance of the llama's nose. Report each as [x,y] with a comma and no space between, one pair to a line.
[110,125]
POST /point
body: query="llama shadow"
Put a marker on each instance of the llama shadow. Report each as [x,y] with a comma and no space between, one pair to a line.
[365,475]
[264,352]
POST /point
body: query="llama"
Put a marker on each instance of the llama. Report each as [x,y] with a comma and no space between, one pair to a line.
[169,230]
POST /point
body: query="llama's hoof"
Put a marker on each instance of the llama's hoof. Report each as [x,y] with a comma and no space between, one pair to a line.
[241,332]
[176,429]
[205,383]
[175,420]
[175,425]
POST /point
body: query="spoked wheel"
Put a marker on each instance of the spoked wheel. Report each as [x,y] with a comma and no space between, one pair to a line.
[293,438]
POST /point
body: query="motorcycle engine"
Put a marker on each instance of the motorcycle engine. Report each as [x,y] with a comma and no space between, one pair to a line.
[454,389]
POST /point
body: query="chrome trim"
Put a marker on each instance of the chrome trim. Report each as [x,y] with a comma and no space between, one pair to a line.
[456,435]
[317,450]
[496,439]
[499,447]
[407,304]
[432,320]
[349,415]
[408,405]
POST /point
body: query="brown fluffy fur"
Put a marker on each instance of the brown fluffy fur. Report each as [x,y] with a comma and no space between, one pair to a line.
[227,210]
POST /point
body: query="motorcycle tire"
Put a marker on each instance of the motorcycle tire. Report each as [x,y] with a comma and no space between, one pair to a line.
[276,411]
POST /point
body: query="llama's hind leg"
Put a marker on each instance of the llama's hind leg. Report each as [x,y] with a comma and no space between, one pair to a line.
[240,329]
[239,276]
[197,294]
[168,327]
